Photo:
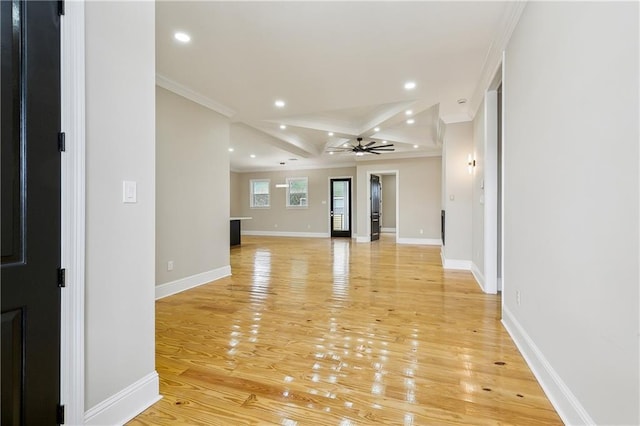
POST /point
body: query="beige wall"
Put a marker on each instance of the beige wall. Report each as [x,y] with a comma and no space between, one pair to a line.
[120,238]
[280,219]
[192,195]
[571,213]
[388,183]
[419,186]
[235,198]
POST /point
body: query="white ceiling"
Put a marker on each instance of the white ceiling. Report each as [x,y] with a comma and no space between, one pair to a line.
[339,66]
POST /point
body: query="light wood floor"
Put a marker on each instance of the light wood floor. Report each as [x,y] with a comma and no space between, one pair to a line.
[330,332]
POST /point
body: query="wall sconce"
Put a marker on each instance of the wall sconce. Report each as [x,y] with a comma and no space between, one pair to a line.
[471,163]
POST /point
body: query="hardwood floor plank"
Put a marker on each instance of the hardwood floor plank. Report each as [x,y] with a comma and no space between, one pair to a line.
[331,332]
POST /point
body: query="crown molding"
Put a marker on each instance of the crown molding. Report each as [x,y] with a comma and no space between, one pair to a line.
[194,96]
[292,168]
[493,59]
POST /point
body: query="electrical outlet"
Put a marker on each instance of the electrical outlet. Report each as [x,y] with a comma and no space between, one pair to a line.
[518,297]
[170,265]
[308,226]
[421,231]
[275,226]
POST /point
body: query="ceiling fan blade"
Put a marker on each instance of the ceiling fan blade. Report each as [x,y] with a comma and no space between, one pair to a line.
[370,143]
[384,146]
[381,149]
[373,152]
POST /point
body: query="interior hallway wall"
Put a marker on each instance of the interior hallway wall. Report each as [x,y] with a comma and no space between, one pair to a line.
[571,213]
[120,238]
[192,193]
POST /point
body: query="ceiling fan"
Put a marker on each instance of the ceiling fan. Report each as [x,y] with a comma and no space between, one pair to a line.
[360,149]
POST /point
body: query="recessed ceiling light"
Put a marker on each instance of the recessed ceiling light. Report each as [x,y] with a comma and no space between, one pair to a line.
[411,121]
[330,152]
[330,133]
[182,37]
[293,159]
[282,126]
[377,129]
[230,149]
[346,145]
[410,85]
[415,146]
[279,103]
[462,101]
[408,112]
[252,156]
[359,154]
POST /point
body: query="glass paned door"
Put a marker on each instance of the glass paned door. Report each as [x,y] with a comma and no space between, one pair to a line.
[341,207]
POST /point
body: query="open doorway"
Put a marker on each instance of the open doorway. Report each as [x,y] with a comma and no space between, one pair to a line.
[392,204]
[388,199]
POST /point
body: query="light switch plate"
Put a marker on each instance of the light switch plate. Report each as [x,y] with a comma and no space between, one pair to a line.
[129,192]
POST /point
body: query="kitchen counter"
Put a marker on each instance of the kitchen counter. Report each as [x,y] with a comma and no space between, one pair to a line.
[234,230]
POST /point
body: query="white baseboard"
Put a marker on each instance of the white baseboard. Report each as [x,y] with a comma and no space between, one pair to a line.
[126,404]
[563,400]
[173,287]
[420,241]
[464,265]
[388,230]
[287,234]
[479,276]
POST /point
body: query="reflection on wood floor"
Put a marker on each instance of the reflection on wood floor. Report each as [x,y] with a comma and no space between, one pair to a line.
[331,332]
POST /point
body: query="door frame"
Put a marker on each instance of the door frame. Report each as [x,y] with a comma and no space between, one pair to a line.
[491,200]
[72,339]
[351,204]
[368,198]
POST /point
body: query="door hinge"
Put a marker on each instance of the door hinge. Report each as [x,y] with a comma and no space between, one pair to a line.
[60,414]
[62,143]
[62,277]
[60,7]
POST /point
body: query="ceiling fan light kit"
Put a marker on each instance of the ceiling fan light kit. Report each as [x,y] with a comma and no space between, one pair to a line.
[369,148]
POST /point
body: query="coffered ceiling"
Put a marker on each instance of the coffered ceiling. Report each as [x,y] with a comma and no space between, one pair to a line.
[339,67]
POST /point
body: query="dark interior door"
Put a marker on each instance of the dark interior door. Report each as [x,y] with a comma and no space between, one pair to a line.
[340,207]
[375,207]
[30,118]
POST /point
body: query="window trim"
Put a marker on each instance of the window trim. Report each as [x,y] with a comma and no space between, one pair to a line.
[251,194]
[288,199]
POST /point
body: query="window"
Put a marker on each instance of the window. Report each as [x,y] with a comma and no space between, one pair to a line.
[297,192]
[259,193]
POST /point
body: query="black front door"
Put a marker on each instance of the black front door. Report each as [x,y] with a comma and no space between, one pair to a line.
[341,207]
[375,207]
[30,118]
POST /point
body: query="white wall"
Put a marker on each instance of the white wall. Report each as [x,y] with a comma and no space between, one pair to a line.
[192,204]
[418,198]
[571,205]
[458,144]
[120,242]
